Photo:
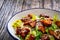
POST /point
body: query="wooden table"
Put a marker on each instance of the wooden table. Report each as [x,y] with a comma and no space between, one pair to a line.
[9,7]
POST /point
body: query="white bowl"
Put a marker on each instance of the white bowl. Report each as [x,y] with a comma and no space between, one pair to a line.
[19,15]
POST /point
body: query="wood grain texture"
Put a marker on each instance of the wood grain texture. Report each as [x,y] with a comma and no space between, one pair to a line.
[47,4]
[1,3]
[56,5]
[9,7]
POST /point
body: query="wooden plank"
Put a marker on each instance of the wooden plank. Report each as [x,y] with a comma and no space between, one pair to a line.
[1,3]
[47,4]
[35,4]
[56,5]
[5,16]
[28,4]
[7,36]
[4,11]
[40,3]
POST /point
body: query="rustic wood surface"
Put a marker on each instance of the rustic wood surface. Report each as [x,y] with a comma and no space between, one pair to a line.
[9,7]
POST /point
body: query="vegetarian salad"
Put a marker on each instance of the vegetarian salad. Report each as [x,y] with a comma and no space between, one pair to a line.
[33,27]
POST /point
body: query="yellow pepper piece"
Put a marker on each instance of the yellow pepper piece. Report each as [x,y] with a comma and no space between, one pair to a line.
[17,23]
[33,17]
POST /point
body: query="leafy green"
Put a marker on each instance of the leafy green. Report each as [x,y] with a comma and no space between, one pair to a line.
[55,18]
[36,29]
[20,37]
[53,27]
[33,33]
[47,30]
[42,18]
[38,34]
[52,38]
[27,37]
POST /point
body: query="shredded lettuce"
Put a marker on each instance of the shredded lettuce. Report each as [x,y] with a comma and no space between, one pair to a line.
[36,28]
[47,30]
[20,37]
[55,17]
[33,33]
[53,27]
[42,18]
[52,38]
[27,36]
[38,34]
